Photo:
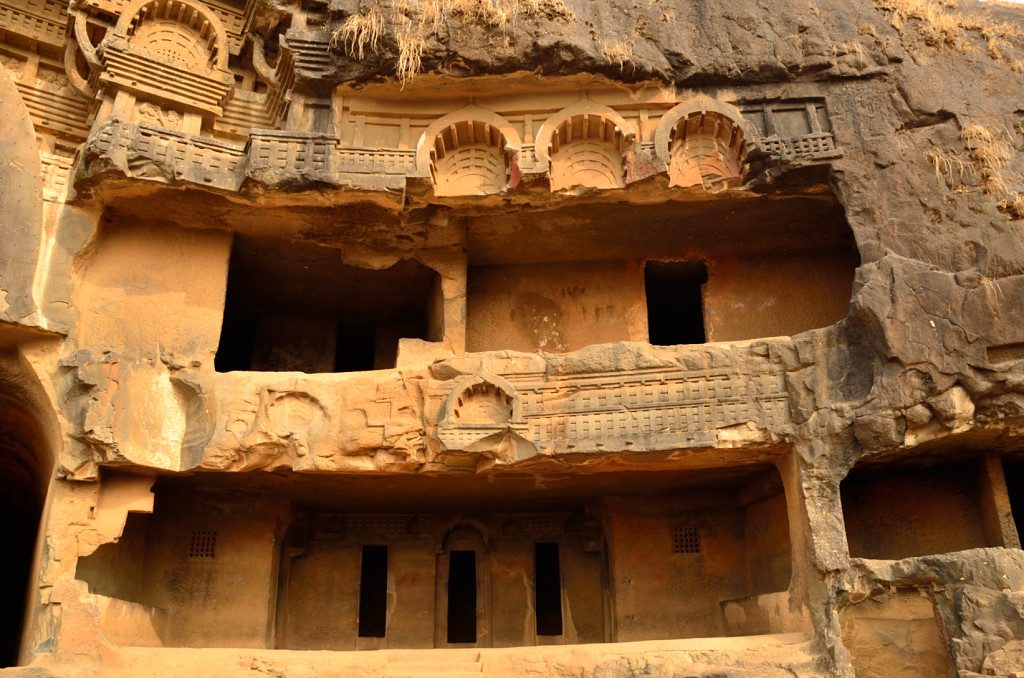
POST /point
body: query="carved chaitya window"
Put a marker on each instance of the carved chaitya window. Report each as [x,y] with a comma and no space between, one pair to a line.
[469,159]
[707,149]
[586,151]
[176,43]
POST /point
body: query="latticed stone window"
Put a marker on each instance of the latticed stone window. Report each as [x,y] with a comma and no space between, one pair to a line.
[203,544]
[685,539]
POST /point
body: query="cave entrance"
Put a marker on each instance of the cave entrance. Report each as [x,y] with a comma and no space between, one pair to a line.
[23,480]
[893,511]
[297,307]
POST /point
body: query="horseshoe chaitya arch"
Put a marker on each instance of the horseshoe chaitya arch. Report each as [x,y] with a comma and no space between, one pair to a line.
[703,142]
[583,145]
[184,30]
[465,152]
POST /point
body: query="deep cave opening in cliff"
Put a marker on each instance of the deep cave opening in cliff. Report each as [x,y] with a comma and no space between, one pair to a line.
[300,562]
[24,475]
[297,307]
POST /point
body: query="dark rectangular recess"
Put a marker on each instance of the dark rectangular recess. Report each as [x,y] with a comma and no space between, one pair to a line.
[675,306]
[547,575]
[1013,469]
[373,591]
[462,597]
[297,307]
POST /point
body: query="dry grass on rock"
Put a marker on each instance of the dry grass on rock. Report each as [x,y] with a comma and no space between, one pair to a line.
[988,163]
[412,22]
[940,23]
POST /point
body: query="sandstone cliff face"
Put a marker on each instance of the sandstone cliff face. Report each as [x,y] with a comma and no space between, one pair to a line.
[924,366]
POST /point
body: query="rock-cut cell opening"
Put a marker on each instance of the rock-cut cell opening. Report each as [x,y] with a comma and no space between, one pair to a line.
[675,305]
[919,509]
[1013,470]
[296,307]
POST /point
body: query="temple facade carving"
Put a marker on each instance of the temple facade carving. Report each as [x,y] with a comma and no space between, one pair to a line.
[511,338]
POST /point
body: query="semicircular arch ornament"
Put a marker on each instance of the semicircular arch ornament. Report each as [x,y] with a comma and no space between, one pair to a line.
[704,143]
[586,150]
[185,33]
[467,153]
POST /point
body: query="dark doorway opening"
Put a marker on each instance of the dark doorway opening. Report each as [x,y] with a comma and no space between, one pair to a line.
[675,308]
[1013,469]
[373,592]
[547,575]
[297,307]
[22,492]
[462,597]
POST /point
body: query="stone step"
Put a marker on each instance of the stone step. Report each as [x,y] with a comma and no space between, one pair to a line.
[412,673]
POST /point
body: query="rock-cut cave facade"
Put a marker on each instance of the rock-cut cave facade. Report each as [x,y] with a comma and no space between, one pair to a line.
[512,338]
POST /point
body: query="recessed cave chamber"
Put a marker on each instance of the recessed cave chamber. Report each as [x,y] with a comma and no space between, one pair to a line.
[412,561]
[927,505]
[677,272]
[296,307]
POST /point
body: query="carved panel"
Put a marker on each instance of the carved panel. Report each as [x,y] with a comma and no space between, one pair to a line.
[42,20]
[163,154]
[56,174]
[294,152]
[146,77]
[797,128]
[55,109]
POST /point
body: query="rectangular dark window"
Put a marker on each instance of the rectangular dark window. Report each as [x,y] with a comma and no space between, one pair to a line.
[373,592]
[462,597]
[547,577]
[675,305]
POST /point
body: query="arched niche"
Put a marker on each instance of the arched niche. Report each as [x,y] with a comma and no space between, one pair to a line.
[463,587]
[478,400]
[584,144]
[467,153]
[586,150]
[483,403]
[703,143]
[184,33]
